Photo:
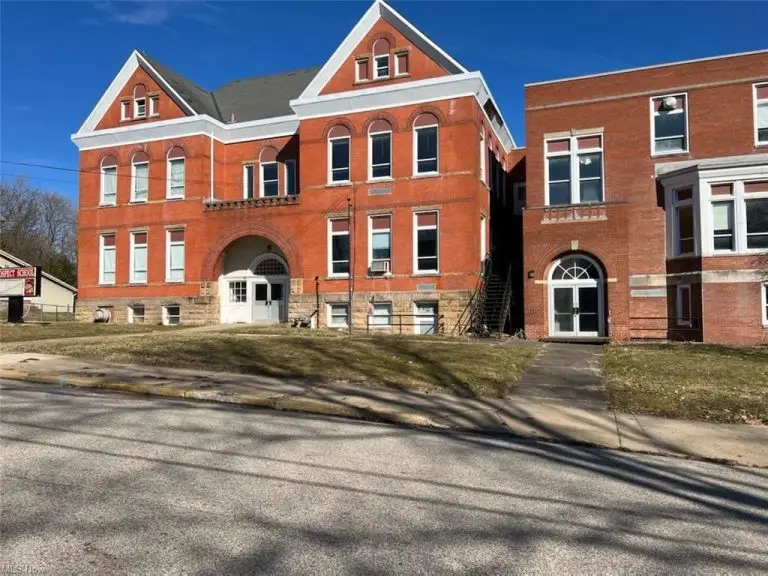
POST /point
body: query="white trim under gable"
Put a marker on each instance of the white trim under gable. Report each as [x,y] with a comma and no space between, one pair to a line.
[135,60]
[378,9]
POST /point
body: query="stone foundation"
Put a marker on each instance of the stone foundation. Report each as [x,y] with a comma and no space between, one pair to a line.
[450,305]
[194,310]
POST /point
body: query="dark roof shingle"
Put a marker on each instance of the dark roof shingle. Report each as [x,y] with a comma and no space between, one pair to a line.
[249,99]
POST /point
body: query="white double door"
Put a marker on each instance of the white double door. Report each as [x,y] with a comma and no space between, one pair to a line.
[269,299]
[576,309]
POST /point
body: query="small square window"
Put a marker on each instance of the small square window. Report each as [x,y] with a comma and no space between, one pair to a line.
[380,314]
[171,314]
[136,314]
[338,315]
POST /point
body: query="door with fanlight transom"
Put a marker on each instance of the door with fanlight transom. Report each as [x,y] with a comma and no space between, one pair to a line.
[576,298]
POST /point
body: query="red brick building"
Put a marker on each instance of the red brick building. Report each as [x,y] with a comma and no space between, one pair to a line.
[647,203]
[272,197]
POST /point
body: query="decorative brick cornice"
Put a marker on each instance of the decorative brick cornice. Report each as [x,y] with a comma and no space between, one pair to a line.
[216,205]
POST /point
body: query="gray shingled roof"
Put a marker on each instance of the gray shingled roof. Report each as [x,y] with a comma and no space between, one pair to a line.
[249,99]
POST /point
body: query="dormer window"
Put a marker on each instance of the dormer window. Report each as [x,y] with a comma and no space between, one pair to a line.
[140,101]
[381,58]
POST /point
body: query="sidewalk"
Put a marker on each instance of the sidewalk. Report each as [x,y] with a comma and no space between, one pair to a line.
[532,417]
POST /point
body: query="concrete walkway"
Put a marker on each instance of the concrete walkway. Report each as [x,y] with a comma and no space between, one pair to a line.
[548,419]
[570,373]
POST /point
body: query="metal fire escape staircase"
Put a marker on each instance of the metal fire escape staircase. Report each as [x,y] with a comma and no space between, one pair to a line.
[488,309]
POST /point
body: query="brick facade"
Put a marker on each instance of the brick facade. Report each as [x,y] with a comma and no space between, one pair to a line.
[628,232]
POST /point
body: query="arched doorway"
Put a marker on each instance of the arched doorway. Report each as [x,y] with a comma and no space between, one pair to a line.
[253,288]
[576,307]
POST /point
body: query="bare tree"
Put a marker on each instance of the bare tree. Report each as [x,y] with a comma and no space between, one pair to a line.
[40,227]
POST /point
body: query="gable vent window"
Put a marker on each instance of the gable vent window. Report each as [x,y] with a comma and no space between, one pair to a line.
[381,58]
[140,101]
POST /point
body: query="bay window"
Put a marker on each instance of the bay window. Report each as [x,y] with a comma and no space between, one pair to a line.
[757,223]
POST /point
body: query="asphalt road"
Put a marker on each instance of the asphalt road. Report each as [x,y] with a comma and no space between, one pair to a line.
[98,483]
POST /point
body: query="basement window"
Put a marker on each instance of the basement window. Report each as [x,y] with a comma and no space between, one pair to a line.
[136,314]
[171,314]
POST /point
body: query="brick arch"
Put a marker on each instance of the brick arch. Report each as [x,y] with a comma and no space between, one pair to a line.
[381,116]
[211,263]
[139,148]
[171,144]
[421,110]
[386,36]
[335,122]
[600,256]
[109,152]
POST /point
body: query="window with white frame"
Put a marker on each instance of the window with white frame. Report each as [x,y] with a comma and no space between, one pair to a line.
[154,105]
[290,178]
[171,314]
[764,290]
[381,66]
[483,155]
[338,315]
[683,306]
[108,181]
[125,109]
[669,124]
[425,318]
[756,214]
[362,73]
[684,225]
[761,113]
[238,292]
[380,244]
[174,256]
[107,257]
[574,170]
[138,262]
[136,314]
[269,186]
[140,177]
[401,64]
[175,173]
[248,181]
[139,101]
[380,314]
[339,139]
[425,246]
[338,247]
[425,144]
[723,226]
[380,150]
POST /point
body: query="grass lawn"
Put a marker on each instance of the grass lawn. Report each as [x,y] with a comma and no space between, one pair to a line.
[698,382]
[439,365]
[34,332]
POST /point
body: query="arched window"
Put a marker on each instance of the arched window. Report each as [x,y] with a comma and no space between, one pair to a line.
[575,268]
[339,138]
[425,144]
[381,58]
[139,101]
[270,266]
[175,173]
[268,186]
[140,177]
[108,181]
[379,150]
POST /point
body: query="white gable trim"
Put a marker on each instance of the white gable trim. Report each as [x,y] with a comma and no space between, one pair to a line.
[344,51]
[113,91]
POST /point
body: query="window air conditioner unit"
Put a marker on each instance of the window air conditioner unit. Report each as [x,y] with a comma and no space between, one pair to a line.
[380,266]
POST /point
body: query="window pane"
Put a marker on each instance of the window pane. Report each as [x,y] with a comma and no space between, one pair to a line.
[426,143]
[669,124]
[722,217]
[140,182]
[249,181]
[110,185]
[140,258]
[290,176]
[269,171]
[176,271]
[380,246]
[560,193]
[590,166]
[559,168]
[177,173]
[423,166]
[340,244]
[380,155]
[671,145]
[757,223]
[762,115]
[427,243]
[270,188]
[591,191]
[685,229]
[340,154]
[108,264]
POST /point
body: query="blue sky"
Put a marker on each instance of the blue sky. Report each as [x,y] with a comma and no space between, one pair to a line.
[57,58]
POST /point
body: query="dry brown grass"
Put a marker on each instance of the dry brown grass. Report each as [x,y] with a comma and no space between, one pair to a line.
[402,362]
[716,383]
[35,332]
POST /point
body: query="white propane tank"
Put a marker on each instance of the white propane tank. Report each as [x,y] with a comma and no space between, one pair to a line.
[102,315]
